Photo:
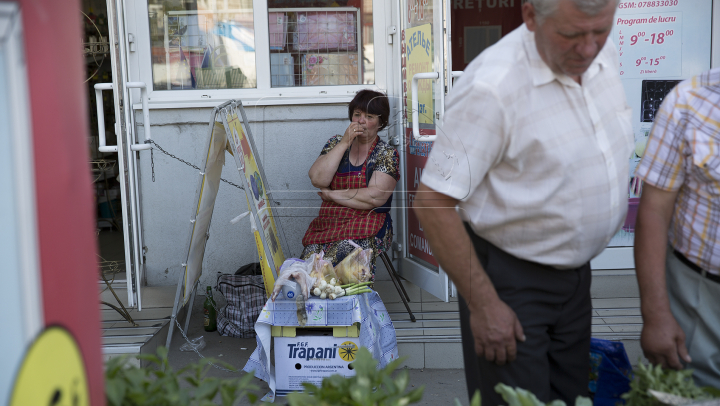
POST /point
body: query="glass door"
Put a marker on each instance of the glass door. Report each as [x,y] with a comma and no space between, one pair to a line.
[423,64]
[438,39]
[127,147]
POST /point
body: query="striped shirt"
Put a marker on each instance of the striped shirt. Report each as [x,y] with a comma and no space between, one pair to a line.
[683,153]
[539,163]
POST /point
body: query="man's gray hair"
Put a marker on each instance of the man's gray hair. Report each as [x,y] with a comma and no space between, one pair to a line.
[544,8]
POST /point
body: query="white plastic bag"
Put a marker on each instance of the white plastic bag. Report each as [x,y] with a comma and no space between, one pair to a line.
[295,270]
[196,344]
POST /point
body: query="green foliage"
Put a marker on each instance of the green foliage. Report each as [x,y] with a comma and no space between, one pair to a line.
[522,397]
[369,387]
[679,383]
[160,385]
[475,401]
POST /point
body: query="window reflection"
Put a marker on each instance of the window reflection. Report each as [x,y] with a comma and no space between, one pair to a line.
[202,44]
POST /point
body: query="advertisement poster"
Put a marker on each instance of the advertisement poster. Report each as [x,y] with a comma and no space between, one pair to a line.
[417,57]
[659,43]
[254,180]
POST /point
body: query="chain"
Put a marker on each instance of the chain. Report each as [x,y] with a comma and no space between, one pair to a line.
[152,163]
[191,344]
[198,352]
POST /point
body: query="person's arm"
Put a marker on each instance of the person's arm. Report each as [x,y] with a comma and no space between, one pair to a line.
[494,324]
[379,189]
[323,170]
[662,339]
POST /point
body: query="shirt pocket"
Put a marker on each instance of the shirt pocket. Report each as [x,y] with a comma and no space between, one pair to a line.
[705,149]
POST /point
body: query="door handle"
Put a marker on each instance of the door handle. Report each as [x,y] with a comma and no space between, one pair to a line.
[99,87]
[146,114]
[415,105]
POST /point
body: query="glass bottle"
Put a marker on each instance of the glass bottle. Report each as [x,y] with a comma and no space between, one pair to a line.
[210,316]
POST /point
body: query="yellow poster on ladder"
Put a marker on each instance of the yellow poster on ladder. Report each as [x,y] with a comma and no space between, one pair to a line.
[260,203]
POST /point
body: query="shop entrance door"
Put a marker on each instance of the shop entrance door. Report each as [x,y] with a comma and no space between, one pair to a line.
[438,38]
[128,147]
[422,52]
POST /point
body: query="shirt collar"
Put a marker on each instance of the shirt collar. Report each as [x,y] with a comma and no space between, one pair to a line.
[542,74]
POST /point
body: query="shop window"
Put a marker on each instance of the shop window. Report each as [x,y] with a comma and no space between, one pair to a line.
[321,42]
[202,44]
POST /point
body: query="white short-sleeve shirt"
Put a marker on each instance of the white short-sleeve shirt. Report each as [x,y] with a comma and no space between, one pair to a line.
[538,161]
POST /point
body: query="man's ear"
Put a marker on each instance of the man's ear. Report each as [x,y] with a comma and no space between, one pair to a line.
[529,16]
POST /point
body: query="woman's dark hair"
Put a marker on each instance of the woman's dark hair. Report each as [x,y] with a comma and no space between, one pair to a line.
[371,102]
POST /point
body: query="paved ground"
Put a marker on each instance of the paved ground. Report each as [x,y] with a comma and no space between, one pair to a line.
[442,386]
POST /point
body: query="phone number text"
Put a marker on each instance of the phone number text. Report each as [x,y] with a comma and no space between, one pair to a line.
[648,4]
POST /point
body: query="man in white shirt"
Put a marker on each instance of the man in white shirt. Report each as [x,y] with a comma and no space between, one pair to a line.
[531,161]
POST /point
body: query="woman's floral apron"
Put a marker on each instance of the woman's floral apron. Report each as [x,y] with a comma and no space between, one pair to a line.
[337,222]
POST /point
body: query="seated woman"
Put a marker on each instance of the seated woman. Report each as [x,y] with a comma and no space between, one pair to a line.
[356,173]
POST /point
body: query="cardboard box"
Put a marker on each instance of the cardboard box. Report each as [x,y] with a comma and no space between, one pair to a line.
[310,357]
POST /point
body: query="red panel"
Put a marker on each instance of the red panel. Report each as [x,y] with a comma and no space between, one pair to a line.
[479,13]
[416,158]
[65,211]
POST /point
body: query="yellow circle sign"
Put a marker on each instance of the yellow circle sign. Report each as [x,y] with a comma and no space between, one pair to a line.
[348,349]
[53,372]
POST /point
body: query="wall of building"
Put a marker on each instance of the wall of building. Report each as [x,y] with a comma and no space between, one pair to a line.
[288,139]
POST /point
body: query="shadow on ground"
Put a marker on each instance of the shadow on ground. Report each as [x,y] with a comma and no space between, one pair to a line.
[442,386]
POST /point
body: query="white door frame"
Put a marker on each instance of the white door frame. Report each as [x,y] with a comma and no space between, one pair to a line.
[127,153]
[418,271]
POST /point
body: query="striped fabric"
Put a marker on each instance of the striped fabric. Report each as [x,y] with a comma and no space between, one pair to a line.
[683,153]
[245,295]
[539,163]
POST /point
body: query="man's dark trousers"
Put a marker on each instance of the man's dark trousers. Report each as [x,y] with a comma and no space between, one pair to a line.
[554,309]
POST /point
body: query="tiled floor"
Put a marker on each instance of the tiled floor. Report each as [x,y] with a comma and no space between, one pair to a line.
[433,341]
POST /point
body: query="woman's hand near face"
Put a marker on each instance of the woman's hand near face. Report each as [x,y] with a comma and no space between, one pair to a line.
[352,132]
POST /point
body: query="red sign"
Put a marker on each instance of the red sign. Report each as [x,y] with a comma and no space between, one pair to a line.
[415,159]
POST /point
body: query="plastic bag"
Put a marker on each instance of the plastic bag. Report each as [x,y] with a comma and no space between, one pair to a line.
[295,270]
[321,269]
[196,344]
[355,268]
[610,372]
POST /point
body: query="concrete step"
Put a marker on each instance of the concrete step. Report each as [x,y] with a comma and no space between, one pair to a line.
[119,336]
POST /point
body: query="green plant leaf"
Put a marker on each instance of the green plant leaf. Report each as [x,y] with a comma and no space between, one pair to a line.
[207,388]
[401,380]
[115,389]
[714,392]
[517,396]
[476,399]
